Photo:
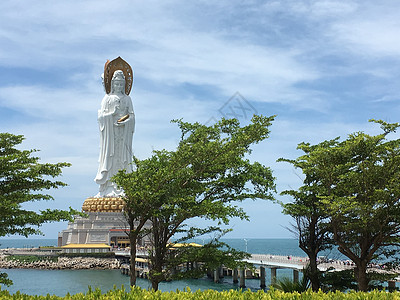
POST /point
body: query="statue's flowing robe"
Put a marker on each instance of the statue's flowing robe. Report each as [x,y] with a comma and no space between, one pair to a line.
[115,141]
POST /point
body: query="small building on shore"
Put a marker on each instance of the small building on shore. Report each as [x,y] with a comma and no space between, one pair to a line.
[86,248]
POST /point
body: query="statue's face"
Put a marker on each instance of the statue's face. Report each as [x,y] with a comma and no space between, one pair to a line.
[118,86]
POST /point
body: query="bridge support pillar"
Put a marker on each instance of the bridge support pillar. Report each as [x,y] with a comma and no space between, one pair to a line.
[216,275]
[242,278]
[262,278]
[235,276]
[273,275]
[295,275]
[221,272]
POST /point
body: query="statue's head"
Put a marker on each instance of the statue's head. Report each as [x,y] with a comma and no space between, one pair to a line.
[118,69]
[118,82]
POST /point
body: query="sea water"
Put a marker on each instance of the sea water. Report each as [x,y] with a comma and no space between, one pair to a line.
[60,282]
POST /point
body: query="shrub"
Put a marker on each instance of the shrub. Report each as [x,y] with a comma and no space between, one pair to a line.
[138,293]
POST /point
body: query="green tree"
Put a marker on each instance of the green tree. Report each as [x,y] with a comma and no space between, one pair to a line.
[311,230]
[308,211]
[23,179]
[359,180]
[207,172]
[200,260]
[144,189]
[170,261]
[338,280]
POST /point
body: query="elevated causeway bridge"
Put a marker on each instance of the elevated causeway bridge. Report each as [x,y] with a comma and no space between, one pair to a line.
[278,261]
[274,262]
[261,262]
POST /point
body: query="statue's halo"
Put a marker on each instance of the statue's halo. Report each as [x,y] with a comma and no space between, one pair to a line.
[118,64]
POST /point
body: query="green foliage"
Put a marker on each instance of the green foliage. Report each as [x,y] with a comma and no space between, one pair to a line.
[357,186]
[203,177]
[345,280]
[338,281]
[311,224]
[138,293]
[23,179]
[49,248]
[194,262]
[5,280]
[287,285]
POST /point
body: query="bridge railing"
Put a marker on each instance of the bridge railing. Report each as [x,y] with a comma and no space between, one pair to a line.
[295,260]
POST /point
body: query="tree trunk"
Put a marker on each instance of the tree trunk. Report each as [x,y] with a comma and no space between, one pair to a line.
[361,276]
[154,285]
[156,267]
[155,276]
[313,272]
[132,274]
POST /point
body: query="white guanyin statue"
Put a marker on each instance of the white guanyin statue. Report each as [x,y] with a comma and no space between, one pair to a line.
[116,120]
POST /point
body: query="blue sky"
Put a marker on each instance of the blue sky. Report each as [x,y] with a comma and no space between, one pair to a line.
[323,67]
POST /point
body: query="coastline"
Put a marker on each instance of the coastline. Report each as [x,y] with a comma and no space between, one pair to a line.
[37,281]
[52,262]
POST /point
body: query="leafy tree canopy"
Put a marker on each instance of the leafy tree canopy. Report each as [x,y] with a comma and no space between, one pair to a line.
[357,183]
[207,172]
[23,179]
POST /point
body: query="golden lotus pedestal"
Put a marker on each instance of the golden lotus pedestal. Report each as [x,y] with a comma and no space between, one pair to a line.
[103,204]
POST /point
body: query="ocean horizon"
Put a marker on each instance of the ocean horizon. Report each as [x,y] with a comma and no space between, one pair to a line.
[278,246]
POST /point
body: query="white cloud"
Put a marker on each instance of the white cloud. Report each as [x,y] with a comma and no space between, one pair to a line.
[290,58]
[373,32]
[47,103]
[171,54]
[327,8]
